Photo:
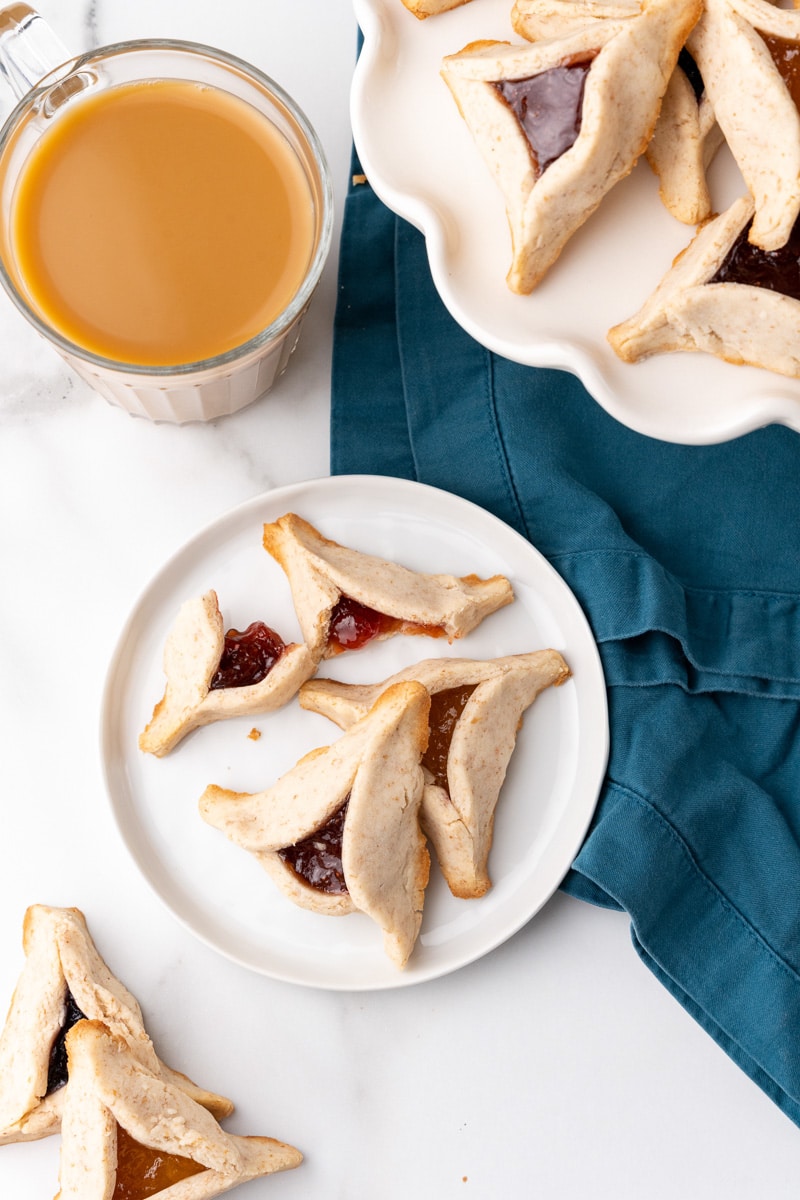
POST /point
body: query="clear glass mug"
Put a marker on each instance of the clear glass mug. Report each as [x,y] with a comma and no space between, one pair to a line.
[45,78]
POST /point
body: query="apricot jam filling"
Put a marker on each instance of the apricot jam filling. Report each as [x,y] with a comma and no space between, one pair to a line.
[352,625]
[143,1171]
[247,657]
[786,56]
[57,1073]
[446,709]
[549,108]
[318,858]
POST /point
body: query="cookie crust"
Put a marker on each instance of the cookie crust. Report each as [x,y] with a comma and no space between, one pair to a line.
[459,819]
[375,767]
[192,654]
[110,1088]
[321,571]
[61,959]
[634,57]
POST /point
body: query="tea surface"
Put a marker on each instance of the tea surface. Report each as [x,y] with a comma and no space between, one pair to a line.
[161,223]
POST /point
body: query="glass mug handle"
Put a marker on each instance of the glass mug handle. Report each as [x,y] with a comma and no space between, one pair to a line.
[29,49]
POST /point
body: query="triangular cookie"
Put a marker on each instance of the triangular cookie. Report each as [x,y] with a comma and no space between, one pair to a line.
[344,598]
[127,1132]
[64,980]
[476,713]
[340,831]
[686,136]
[746,51]
[208,671]
[560,121]
[723,296]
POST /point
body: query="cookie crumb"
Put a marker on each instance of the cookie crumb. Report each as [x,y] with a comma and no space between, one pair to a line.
[357,179]
[254,734]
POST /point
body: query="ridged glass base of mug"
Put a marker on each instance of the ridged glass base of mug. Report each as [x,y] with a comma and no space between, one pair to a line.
[199,396]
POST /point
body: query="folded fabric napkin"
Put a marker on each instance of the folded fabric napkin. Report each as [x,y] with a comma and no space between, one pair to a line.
[686,561]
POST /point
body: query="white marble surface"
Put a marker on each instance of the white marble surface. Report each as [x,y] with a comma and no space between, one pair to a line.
[556,1067]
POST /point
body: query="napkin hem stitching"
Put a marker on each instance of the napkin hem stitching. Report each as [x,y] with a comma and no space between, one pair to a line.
[657,816]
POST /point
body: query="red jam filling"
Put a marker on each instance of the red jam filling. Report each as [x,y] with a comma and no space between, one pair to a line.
[57,1073]
[549,107]
[446,708]
[353,625]
[143,1171]
[318,858]
[247,657]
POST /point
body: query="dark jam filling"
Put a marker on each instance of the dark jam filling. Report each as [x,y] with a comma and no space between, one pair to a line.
[786,56]
[57,1073]
[352,625]
[143,1171]
[692,73]
[318,858]
[549,107]
[446,708]
[775,270]
[247,657]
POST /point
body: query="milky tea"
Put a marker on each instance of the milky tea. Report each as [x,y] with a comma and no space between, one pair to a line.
[160,222]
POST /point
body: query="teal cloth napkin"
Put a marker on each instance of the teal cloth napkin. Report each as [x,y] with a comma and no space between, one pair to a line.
[686,561]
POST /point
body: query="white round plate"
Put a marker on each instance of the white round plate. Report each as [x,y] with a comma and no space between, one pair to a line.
[218,890]
[422,162]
